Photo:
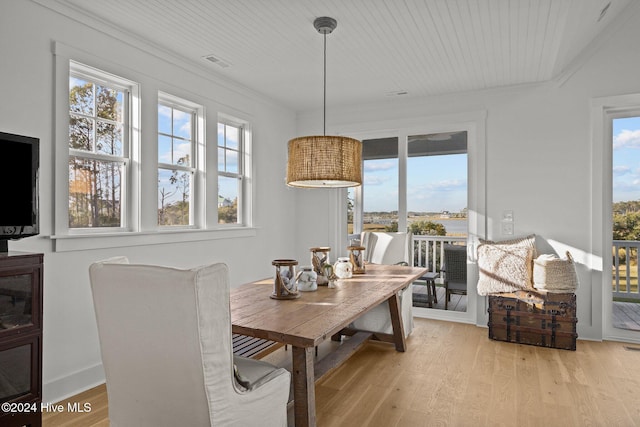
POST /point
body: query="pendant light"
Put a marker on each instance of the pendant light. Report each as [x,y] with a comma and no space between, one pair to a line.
[324,161]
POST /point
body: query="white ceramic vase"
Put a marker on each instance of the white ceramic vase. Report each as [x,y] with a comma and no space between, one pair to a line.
[343,268]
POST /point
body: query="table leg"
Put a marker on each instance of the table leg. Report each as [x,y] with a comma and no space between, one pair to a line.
[396,321]
[429,295]
[304,391]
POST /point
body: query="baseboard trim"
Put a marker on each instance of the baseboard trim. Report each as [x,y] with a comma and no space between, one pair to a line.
[64,387]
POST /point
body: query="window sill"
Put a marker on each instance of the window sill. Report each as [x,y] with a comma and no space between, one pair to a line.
[81,242]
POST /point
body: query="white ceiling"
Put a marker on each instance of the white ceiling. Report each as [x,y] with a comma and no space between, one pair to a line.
[380,47]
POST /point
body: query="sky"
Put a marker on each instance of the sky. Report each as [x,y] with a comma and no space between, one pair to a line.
[178,123]
[626,159]
[434,184]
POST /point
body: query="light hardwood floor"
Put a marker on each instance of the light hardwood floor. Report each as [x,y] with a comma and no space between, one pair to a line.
[453,375]
[626,315]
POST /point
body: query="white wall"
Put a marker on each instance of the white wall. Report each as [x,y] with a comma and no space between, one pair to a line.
[538,155]
[27,32]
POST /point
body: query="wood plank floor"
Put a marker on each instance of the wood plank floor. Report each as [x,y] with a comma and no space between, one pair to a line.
[626,315]
[453,375]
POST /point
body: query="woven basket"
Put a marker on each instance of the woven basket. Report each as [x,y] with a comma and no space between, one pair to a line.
[551,273]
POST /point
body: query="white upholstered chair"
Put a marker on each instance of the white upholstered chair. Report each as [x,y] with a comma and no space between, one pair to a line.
[387,248]
[165,339]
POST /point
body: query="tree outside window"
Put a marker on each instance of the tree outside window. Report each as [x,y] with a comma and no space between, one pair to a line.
[97,152]
[176,130]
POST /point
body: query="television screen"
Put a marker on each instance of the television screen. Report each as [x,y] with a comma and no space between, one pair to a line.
[19,195]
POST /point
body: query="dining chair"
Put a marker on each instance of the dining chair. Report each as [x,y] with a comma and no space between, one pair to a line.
[166,346]
[454,271]
[387,248]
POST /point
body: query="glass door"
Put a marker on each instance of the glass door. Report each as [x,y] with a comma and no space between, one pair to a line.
[437,214]
[625,208]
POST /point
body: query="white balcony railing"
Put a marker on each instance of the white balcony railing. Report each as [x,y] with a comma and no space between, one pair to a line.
[625,269]
[428,251]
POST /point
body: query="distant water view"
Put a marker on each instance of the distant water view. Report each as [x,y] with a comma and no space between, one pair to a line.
[455,227]
[454,224]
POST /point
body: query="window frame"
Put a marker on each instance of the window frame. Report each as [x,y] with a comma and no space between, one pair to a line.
[360,193]
[598,259]
[127,201]
[474,123]
[196,166]
[243,155]
[402,158]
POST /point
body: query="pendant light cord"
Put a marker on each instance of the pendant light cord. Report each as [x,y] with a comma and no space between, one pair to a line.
[324,101]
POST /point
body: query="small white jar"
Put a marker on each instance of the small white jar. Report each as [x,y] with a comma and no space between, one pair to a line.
[343,268]
[307,279]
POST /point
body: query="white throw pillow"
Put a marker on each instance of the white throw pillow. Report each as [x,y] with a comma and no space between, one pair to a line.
[505,266]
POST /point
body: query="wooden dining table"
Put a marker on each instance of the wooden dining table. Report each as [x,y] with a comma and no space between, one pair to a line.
[307,321]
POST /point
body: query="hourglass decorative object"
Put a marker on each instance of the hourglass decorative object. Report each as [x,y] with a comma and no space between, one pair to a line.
[319,259]
[284,284]
[356,256]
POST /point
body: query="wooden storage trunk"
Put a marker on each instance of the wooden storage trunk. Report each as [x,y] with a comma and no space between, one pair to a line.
[534,317]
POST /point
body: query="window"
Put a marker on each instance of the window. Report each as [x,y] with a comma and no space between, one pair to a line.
[452,147]
[380,188]
[416,183]
[230,172]
[99,135]
[435,185]
[374,205]
[437,193]
[108,184]
[176,162]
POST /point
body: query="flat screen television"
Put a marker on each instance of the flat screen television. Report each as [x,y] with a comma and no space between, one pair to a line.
[19,211]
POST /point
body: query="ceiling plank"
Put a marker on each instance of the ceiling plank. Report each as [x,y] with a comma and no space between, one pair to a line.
[424,47]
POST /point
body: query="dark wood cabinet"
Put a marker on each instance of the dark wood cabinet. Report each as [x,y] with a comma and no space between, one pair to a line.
[20,339]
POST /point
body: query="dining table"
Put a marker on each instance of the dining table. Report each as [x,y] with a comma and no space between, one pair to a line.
[327,313]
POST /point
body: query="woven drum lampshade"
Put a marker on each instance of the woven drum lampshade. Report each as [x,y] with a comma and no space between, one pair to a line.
[324,162]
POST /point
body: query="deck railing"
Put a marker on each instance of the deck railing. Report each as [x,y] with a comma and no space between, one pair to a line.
[428,251]
[625,269]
